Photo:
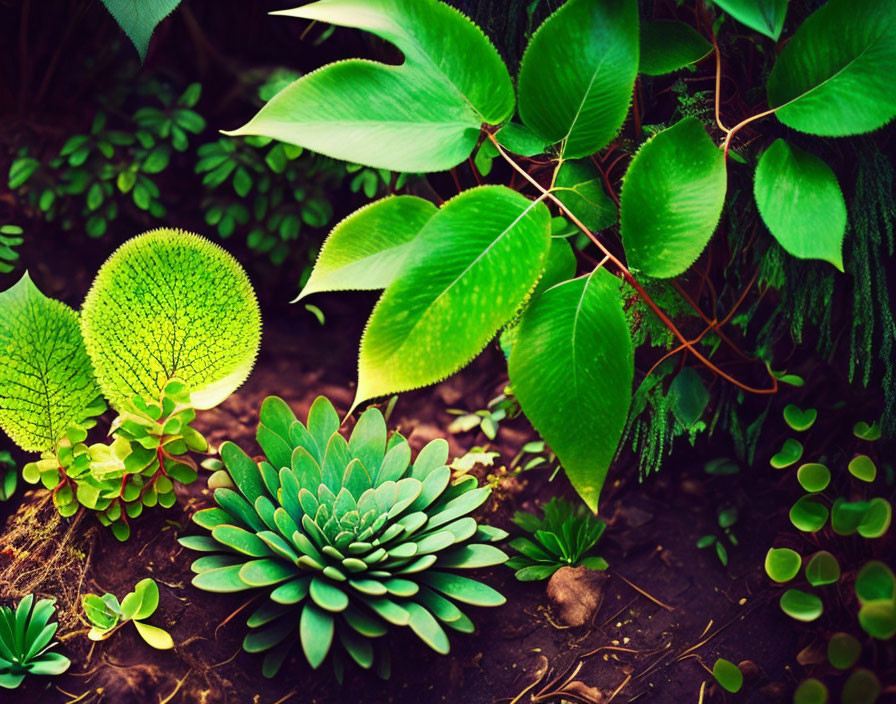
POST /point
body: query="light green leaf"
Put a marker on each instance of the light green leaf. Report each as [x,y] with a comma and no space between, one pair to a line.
[139,19]
[801,203]
[170,304]
[834,77]
[800,605]
[519,139]
[571,369]
[765,16]
[668,46]
[46,381]
[672,197]
[316,632]
[782,564]
[368,249]
[578,72]
[477,259]
[578,187]
[422,115]
[728,675]
[155,637]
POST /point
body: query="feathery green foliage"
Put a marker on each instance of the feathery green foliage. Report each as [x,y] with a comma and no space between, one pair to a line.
[344,538]
[25,647]
[562,538]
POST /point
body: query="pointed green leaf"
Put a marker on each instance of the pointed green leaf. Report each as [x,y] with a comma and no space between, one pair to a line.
[316,634]
[244,471]
[765,16]
[833,78]
[155,637]
[46,381]
[427,628]
[473,557]
[222,580]
[672,197]
[463,589]
[571,369]
[421,115]
[801,203]
[669,46]
[577,74]
[139,20]
[478,257]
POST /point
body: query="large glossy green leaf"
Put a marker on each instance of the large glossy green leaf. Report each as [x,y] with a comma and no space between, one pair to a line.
[368,249]
[476,260]
[422,115]
[668,46]
[834,77]
[139,19]
[571,369]
[801,203]
[765,16]
[46,381]
[672,197]
[577,74]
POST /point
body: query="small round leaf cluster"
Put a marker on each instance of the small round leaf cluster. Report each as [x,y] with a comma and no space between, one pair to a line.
[345,537]
[25,646]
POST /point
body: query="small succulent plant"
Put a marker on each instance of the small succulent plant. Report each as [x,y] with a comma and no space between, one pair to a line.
[345,537]
[106,615]
[25,647]
[562,538]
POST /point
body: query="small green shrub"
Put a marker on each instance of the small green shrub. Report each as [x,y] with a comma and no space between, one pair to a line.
[344,538]
[563,537]
[106,615]
[25,647]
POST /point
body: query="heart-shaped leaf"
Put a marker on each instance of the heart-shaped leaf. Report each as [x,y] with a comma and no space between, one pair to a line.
[424,114]
[833,78]
[571,369]
[813,477]
[577,75]
[800,605]
[368,249]
[808,515]
[669,46]
[863,431]
[801,203]
[477,259]
[672,197]
[782,564]
[789,454]
[798,419]
[765,16]
[822,569]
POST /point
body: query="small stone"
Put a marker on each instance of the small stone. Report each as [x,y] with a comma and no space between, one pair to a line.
[576,593]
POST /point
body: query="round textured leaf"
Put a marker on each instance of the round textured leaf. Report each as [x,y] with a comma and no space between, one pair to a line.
[571,369]
[801,204]
[782,564]
[808,515]
[800,605]
[811,691]
[478,258]
[789,454]
[171,304]
[669,46]
[728,675]
[577,74]
[876,519]
[862,687]
[822,569]
[875,581]
[46,381]
[862,467]
[368,249]
[765,16]
[799,419]
[813,477]
[878,618]
[834,77]
[843,651]
[672,197]
[421,115]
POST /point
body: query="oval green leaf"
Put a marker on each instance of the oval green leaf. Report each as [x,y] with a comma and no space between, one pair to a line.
[875,581]
[822,569]
[577,74]
[862,467]
[808,515]
[834,77]
[155,637]
[478,258]
[811,691]
[668,46]
[801,203]
[878,618]
[843,651]
[421,115]
[813,477]
[728,675]
[571,369]
[672,197]
[876,519]
[862,687]
[782,564]
[800,605]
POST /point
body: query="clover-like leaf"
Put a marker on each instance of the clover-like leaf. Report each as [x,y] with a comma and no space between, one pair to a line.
[672,197]
[801,203]
[422,115]
[576,77]
[833,78]
[571,369]
[46,380]
[169,304]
